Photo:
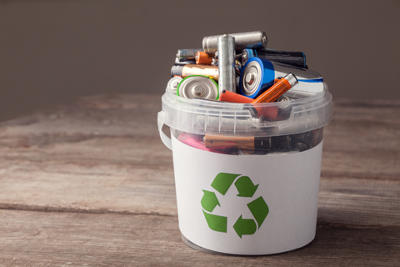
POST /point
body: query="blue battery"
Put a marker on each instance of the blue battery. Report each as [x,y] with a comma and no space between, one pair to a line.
[256,76]
[250,52]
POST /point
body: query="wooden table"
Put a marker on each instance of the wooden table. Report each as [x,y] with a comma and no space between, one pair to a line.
[91,184]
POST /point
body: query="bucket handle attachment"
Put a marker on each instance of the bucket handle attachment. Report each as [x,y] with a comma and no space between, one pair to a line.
[160,123]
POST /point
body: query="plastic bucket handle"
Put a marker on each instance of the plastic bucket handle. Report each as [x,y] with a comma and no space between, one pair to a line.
[160,123]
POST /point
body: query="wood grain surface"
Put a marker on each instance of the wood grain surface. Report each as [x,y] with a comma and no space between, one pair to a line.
[90,183]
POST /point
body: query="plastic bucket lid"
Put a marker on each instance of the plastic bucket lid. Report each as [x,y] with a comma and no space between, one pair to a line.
[301,113]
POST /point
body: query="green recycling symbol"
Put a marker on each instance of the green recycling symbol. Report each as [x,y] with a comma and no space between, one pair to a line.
[246,188]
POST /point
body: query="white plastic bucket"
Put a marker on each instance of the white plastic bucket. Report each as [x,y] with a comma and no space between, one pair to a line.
[240,201]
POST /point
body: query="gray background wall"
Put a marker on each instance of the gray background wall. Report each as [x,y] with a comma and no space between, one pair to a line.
[54,51]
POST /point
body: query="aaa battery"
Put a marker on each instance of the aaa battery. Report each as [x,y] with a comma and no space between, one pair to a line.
[277,89]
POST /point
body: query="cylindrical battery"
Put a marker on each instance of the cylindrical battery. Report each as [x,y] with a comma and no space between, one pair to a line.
[172,84]
[184,62]
[203,58]
[242,40]
[197,86]
[277,89]
[195,69]
[226,63]
[294,58]
[259,74]
[241,142]
[187,53]
[232,97]
[245,143]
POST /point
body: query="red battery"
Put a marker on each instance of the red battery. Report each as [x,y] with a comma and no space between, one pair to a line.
[267,112]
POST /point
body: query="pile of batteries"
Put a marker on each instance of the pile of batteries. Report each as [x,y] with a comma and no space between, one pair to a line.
[239,68]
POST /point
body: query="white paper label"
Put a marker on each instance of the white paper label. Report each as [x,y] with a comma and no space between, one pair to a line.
[247,204]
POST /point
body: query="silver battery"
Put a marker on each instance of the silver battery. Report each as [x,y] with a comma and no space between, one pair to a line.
[186,54]
[245,56]
[184,62]
[242,40]
[251,78]
[226,63]
[198,87]
[172,85]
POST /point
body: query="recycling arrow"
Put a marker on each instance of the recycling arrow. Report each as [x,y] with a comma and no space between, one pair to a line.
[223,181]
[244,226]
[245,187]
[209,200]
[259,209]
[216,222]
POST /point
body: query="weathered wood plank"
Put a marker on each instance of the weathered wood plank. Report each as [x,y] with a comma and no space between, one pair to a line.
[59,239]
[359,201]
[363,140]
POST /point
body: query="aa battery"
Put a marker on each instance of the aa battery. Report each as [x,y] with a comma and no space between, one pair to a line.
[263,145]
[252,144]
[172,85]
[187,53]
[243,40]
[240,142]
[195,69]
[226,63]
[259,74]
[184,62]
[293,58]
[201,87]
